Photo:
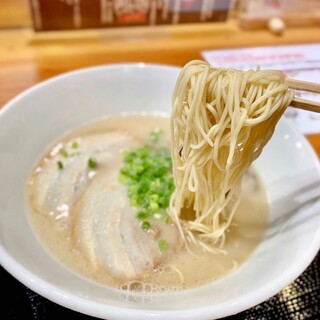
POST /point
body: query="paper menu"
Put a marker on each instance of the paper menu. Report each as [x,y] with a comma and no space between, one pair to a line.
[297,61]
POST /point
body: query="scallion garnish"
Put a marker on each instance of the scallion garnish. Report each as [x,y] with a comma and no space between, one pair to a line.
[145,225]
[163,245]
[74,145]
[63,152]
[60,165]
[92,163]
[147,174]
[142,215]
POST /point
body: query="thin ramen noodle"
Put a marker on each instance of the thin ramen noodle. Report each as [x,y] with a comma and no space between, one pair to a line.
[220,122]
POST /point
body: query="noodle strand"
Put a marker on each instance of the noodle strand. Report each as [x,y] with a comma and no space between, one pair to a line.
[220,122]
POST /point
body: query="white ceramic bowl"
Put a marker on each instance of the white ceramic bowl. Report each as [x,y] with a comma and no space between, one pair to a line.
[288,166]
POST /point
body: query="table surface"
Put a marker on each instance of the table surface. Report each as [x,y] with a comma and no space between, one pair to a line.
[27,58]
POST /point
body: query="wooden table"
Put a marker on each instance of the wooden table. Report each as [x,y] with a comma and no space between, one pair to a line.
[27,58]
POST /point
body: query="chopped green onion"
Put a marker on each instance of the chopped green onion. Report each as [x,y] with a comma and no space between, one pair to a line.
[154,206]
[157,216]
[74,145]
[154,197]
[92,164]
[142,215]
[60,165]
[167,220]
[63,152]
[147,173]
[163,245]
[134,202]
[145,225]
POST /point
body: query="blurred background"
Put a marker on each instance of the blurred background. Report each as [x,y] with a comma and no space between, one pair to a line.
[43,38]
[81,14]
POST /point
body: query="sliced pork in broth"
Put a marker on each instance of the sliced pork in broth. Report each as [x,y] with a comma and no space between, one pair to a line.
[55,191]
[108,232]
[96,207]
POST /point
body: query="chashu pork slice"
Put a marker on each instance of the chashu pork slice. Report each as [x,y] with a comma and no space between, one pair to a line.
[54,190]
[108,233]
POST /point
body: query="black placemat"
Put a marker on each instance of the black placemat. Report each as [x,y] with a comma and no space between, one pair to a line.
[300,300]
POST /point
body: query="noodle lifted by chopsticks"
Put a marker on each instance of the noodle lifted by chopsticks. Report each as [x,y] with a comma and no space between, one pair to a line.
[220,122]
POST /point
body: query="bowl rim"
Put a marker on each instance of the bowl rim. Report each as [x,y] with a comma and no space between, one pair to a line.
[42,83]
[102,310]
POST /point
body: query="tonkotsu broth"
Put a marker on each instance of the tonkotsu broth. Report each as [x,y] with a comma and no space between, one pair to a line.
[245,233]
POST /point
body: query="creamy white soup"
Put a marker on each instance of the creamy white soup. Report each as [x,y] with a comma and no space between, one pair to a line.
[83,215]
